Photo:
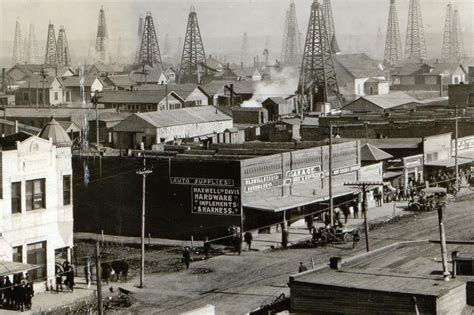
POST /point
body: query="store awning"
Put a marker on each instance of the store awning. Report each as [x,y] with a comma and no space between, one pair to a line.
[391,175]
[10,268]
[448,162]
[293,201]
[466,155]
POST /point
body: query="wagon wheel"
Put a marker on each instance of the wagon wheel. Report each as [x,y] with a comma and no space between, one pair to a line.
[348,238]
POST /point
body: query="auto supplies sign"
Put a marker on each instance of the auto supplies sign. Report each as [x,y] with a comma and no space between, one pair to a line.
[216,200]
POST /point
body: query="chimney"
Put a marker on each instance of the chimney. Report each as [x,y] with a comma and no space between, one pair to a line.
[231,94]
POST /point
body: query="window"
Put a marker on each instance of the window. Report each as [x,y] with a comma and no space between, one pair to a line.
[16,197]
[66,190]
[18,254]
[26,96]
[40,97]
[198,102]
[36,255]
[68,96]
[56,96]
[35,194]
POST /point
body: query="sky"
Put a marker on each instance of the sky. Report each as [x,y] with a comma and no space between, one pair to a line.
[222,22]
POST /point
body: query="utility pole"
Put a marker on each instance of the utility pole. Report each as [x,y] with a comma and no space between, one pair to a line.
[331,202]
[43,74]
[94,100]
[144,172]
[365,187]
[456,166]
[441,204]
[100,309]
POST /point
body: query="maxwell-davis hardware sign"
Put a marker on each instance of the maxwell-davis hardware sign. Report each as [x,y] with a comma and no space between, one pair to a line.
[216,200]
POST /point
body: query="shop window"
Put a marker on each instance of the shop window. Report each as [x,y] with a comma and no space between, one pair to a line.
[16,197]
[36,255]
[35,194]
[66,190]
[18,254]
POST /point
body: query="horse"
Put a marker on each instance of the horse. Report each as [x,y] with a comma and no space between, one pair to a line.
[120,268]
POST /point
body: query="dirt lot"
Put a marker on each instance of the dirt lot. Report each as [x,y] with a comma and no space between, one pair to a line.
[238,284]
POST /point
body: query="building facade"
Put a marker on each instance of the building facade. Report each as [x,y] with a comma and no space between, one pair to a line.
[36,188]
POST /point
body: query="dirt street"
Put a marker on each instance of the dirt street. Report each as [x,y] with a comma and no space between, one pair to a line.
[239,284]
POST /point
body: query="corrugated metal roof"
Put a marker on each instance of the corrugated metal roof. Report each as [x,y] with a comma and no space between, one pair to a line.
[183,116]
[133,97]
[387,101]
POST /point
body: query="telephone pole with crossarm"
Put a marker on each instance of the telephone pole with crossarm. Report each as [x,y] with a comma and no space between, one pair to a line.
[365,187]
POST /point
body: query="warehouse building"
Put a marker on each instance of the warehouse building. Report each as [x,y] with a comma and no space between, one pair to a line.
[194,191]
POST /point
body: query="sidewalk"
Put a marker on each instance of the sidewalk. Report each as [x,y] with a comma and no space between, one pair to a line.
[298,231]
[48,302]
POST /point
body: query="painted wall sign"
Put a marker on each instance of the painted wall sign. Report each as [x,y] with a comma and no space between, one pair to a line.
[201,181]
[217,201]
[304,174]
[263,182]
[413,163]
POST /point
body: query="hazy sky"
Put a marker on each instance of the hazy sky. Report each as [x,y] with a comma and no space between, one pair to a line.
[217,18]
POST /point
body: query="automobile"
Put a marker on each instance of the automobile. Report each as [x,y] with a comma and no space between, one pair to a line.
[429,199]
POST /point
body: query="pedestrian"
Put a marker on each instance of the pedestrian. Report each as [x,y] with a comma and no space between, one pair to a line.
[59,278]
[355,206]
[29,295]
[309,222]
[69,272]
[248,239]
[238,243]
[207,247]
[88,272]
[302,267]
[186,257]
[345,211]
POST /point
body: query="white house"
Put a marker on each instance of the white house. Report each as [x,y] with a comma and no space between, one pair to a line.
[36,205]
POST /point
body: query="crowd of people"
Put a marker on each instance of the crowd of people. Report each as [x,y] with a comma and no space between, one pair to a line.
[16,294]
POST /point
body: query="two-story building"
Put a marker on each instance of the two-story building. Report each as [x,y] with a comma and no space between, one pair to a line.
[36,200]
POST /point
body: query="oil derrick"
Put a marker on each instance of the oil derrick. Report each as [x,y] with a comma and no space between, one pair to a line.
[118,59]
[193,60]
[51,56]
[457,31]
[415,46]
[24,51]
[139,38]
[393,44]
[291,46]
[17,44]
[244,51]
[318,76]
[64,58]
[166,46]
[32,56]
[149,49]
[451,49]
[329,21]
[101,43]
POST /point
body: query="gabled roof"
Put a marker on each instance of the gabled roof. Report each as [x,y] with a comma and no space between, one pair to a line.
[122,80]
[184,90]
[75,81]
[37,82]
[359,65]
[183,116]
[446,68]
[387,101]
[135,97]
[214,87]
[213,62]
[277,100]
[371,153]
[104,68]
[9,142]
[151,76]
